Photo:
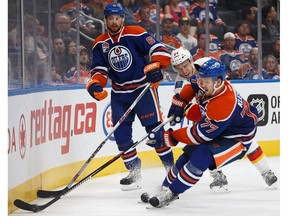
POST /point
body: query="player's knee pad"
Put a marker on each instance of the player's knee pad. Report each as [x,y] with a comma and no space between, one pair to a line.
[201,157]
[123,134]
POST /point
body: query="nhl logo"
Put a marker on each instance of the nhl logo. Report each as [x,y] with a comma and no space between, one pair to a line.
[260,102]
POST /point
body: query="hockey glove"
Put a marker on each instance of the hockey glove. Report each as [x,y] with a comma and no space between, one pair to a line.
[161,139]
[95,90]
[153,73]
[193,113]
[177,109]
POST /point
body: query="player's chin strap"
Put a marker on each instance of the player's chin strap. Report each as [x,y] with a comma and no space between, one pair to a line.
[217,88]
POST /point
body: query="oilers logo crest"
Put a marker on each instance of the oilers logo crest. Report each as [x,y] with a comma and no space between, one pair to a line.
[120,58]
[235,65]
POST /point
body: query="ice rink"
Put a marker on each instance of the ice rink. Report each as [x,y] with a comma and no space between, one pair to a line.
[249,196]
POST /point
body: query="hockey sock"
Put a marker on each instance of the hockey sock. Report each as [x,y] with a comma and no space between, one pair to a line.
[200,159]
[258,158]
[166,156]
[171,175]
[131,160]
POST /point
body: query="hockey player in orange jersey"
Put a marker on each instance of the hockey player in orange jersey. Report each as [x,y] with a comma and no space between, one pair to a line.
[222,133]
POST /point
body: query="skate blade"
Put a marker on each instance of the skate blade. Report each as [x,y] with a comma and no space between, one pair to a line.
[131,187]
[274,186]
[221,189]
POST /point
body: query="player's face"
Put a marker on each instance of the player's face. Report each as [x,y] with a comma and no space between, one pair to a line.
[207,85]
[185,69]
[114,23]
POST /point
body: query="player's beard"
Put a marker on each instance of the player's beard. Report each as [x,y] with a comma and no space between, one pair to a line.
[114,29]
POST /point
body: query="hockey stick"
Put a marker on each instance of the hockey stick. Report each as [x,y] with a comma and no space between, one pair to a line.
[36,208]
[50,194]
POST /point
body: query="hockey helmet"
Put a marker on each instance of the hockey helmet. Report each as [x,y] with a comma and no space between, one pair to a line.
[180,55]
[114,9]
[212,68]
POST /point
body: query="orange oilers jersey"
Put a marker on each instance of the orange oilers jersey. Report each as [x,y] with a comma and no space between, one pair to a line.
[225,114]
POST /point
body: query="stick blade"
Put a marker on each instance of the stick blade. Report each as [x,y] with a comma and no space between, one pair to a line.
[49,194]
[26,206]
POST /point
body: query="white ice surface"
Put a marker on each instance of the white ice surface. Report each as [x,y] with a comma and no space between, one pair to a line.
[249,196]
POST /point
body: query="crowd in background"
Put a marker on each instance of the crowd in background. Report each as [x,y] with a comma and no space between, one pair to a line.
[54,42]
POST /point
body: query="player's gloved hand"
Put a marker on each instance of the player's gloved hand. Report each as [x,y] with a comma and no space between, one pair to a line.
[161,139]
[153,73]
[193,112]
[95,90]
[177,109]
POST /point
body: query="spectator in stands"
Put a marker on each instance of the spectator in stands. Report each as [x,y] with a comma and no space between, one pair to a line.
[249,14]
[36,52]
[128,12]
[145,21]
[71,54]
[59,56]
[244,41]
[63,28]
[84,76]
[250,70]
[153,12]
[56,79]
[232,58]
[176,11]
[166,36]
[184,33]
[184,3]
[171,41]
[272,67]
[214,40]
[91,30]
[73,16]
[97,8]
[197,11]
[200,50]
[271,23]
[276,49]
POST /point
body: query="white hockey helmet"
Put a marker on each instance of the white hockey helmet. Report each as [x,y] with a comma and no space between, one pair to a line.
[198,63]
[180,55]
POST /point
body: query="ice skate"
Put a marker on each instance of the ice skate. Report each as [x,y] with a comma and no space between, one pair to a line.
[219,184]
[145,197]
[164,198]
[270,179]
[132,181]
